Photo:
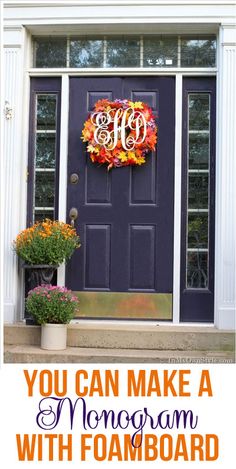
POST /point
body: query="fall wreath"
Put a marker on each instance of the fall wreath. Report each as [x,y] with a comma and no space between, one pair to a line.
[120,133]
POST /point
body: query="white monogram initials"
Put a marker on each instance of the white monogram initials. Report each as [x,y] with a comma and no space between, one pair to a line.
[112,127]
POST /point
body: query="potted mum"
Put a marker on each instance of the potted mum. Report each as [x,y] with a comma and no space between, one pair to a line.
[43,247]
[52,307]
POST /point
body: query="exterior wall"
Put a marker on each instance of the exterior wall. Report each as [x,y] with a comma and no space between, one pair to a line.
[25,17]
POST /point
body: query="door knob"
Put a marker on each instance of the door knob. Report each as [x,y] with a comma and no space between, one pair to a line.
[73,214]
[74,178]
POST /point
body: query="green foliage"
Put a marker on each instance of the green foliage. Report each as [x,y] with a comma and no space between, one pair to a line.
[48,242]
[51,305]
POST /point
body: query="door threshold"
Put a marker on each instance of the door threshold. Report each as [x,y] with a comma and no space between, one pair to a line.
[134,322]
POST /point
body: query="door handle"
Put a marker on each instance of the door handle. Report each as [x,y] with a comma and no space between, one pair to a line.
[73,214]
[74,178]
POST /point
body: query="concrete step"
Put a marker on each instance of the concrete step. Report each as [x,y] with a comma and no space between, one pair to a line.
[34,354]
[134,336]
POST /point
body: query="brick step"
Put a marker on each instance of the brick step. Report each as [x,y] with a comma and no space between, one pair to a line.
[34,354]
[97,335]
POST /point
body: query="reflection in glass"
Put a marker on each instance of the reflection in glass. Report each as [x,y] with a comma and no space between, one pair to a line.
[160,51]
[44,189]
[198,230]
[197,270]
[199,111]
[46,111]
[45,150]
[40,215]
[198,150]
[45,155]
[198,51]
[198,191]
[86,52]
[50,52]
[123,52]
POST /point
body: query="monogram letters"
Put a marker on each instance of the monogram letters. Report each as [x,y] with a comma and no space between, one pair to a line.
[123,119]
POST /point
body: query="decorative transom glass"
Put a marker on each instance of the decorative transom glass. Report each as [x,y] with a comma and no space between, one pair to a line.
[149,51]
[198,190]
[45,156]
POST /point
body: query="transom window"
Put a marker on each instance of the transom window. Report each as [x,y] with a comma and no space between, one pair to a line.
[150,51]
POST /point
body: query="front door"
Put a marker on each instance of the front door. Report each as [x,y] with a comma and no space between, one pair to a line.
[124,267]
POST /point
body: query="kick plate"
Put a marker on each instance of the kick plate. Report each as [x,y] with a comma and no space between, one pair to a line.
[116,305]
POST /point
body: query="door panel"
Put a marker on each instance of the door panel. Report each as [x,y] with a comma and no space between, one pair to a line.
[142,261]
[97,241]
[125,215]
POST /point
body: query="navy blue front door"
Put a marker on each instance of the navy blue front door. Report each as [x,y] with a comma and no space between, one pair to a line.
[126,215]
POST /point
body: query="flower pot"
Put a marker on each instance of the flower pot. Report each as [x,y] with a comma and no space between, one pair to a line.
[35,275]
[39,274]
[53,336]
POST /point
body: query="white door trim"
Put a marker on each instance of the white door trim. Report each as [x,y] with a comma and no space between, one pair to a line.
[177,198]
[63,158]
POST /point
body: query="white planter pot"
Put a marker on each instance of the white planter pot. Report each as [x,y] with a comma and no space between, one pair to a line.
[53,336]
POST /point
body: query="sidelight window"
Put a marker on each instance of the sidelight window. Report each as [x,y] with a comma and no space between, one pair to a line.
[43,150]
[45,156]
[198,196]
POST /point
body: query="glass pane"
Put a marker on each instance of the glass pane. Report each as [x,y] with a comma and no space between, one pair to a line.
[198,230]
[50,52]
[44,189]
[123,52]
[45,155]
[160,51]
[86,53]
[197,270]
[198,151]
[46,111]
[45,150]
[199,111]
[42,214]
[198,191]
[198,51]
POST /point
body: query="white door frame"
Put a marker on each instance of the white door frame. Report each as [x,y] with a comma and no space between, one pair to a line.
[17,59]
[178,162]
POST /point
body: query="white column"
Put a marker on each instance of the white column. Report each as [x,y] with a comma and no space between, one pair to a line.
[225,259]
[12,154]
[1,188]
